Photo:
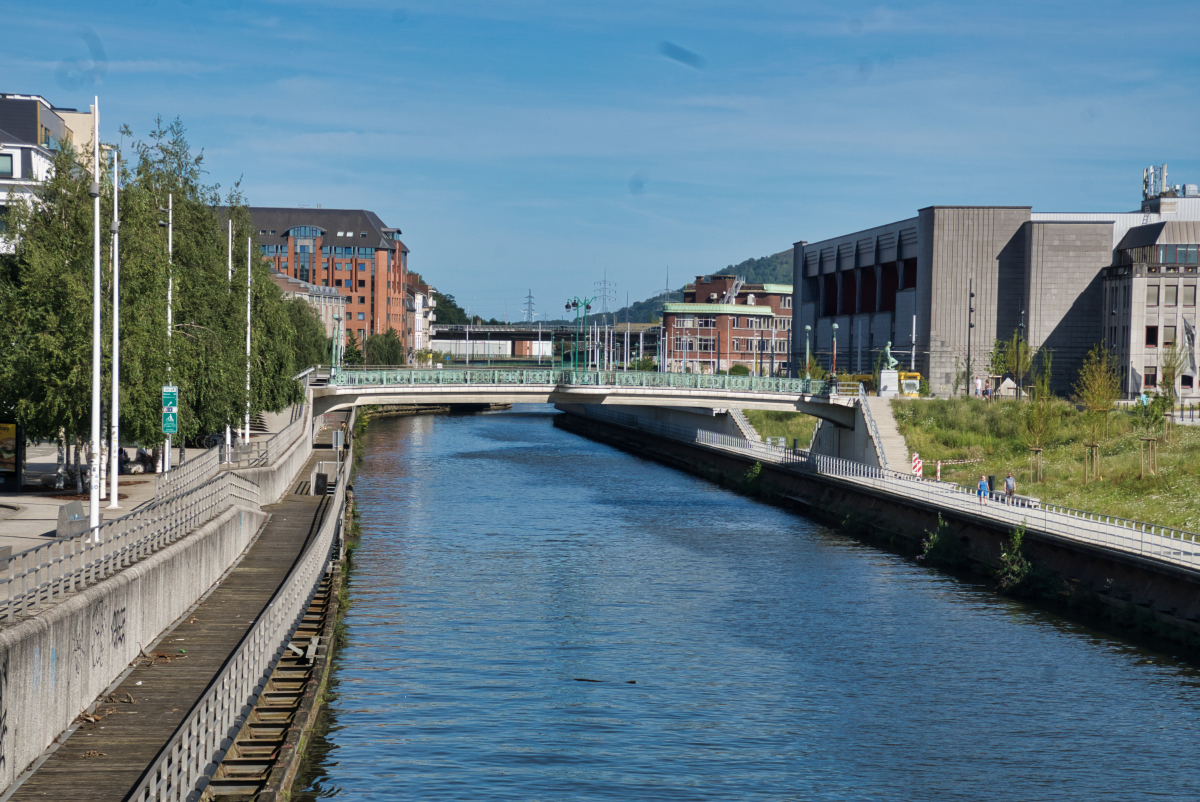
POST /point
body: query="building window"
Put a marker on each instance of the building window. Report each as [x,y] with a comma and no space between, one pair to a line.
[1152,336]
[362,299]
[706,344]
[1189,294]
[1150,376]
[363,234]
[362,315]
[786,302]
[706,323]
[362,283]
[304,232]
[1185,382]
[1168,336]
[1151,295]
[1170,294]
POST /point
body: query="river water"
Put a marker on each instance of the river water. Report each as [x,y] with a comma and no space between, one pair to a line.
[731,650]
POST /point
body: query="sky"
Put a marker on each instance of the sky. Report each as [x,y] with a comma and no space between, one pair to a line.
[535,147]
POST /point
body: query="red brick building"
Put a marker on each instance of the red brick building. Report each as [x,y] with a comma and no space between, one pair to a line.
[350,250]
[723,322]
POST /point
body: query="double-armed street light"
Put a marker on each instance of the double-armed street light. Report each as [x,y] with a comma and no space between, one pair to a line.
[578,304]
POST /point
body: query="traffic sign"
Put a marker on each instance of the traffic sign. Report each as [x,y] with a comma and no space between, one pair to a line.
[170,409]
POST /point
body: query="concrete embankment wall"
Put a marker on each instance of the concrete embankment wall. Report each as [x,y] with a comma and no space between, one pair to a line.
[1141,588]
[55,664]
[276,480]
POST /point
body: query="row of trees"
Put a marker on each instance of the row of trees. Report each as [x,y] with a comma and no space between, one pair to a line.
[46,301]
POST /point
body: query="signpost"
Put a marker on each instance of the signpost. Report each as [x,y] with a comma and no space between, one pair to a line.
[170,409]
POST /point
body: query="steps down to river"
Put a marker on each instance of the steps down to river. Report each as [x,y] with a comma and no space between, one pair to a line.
[891,441]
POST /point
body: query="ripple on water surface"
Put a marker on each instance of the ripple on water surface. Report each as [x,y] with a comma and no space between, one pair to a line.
[540,617]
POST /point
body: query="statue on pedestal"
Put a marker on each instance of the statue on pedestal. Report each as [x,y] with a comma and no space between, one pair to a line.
[889,362]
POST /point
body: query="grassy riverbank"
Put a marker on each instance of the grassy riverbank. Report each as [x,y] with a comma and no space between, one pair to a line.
[967,428]
[792,425]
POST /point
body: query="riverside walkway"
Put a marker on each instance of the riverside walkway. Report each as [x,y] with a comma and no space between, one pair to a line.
[111,750]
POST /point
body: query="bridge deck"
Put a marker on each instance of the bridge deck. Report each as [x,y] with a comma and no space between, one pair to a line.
[105,759]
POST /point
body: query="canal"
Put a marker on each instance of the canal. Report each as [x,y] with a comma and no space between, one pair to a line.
[537,616]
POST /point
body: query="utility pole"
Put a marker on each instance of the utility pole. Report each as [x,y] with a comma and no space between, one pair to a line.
[169,225]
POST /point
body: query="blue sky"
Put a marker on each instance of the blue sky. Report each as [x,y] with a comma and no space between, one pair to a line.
[532,145]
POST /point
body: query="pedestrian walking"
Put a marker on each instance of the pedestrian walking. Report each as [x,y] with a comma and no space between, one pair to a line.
[1010,488]
[978,386]
[983,489]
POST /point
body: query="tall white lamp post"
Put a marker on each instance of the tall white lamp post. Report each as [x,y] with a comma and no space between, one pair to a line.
[94,456]
[229,253]
[114,413]
[248,274]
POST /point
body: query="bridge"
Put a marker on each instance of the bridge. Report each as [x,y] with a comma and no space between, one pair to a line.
[347,388]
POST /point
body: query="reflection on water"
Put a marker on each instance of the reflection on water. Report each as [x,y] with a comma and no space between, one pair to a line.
[539,617]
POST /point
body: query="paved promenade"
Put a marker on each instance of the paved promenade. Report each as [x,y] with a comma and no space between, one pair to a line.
[107,754]
[35,519]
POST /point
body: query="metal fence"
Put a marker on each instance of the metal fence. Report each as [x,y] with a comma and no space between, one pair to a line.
[198,746]
[260,453]
[1159,543]
[200,468]
[39,575]
[371,377]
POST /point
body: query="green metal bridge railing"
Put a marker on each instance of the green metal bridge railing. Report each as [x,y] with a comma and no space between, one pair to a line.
[379,377]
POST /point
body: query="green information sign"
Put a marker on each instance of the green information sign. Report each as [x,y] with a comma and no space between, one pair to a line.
[170,409]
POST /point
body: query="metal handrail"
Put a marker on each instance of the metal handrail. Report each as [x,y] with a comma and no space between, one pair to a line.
[188,475]
[554,377]
[39,575]
[866,408]
[1139,538]
[259,453]
[181,769]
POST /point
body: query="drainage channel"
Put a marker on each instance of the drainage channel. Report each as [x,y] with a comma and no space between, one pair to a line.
[267,742]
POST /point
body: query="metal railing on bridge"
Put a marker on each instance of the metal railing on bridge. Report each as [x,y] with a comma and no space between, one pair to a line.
[1139,538]
[374,377]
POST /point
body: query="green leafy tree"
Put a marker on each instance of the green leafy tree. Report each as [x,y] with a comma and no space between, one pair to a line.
[1018,361]
[352,355]
[384,349]
[1098,386]
[448,310]
[997,359]
[312,347]
[1172,362]
[645,364]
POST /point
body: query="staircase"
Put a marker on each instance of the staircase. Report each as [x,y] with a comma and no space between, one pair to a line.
[892,442]
[744,425]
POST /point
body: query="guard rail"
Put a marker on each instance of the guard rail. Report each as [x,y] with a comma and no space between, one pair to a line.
[1122,535]
[39,575]
[182,768]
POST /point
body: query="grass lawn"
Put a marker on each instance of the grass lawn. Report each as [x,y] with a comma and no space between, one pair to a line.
[968,428]
[792,425]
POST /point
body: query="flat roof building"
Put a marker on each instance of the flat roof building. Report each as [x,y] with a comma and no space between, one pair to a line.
[1043,274]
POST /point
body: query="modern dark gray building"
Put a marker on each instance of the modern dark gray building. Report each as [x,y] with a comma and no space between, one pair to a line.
[908,283]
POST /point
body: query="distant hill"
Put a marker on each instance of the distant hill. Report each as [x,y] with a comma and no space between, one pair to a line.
[774,269]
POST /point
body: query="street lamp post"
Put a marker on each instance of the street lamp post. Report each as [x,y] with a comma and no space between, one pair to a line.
[169,224]
[1021,345]
[114,413]
[248,281]
[807,353]
[834,360]
[578,304]
[229,281]
[970,325]
[94,191]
